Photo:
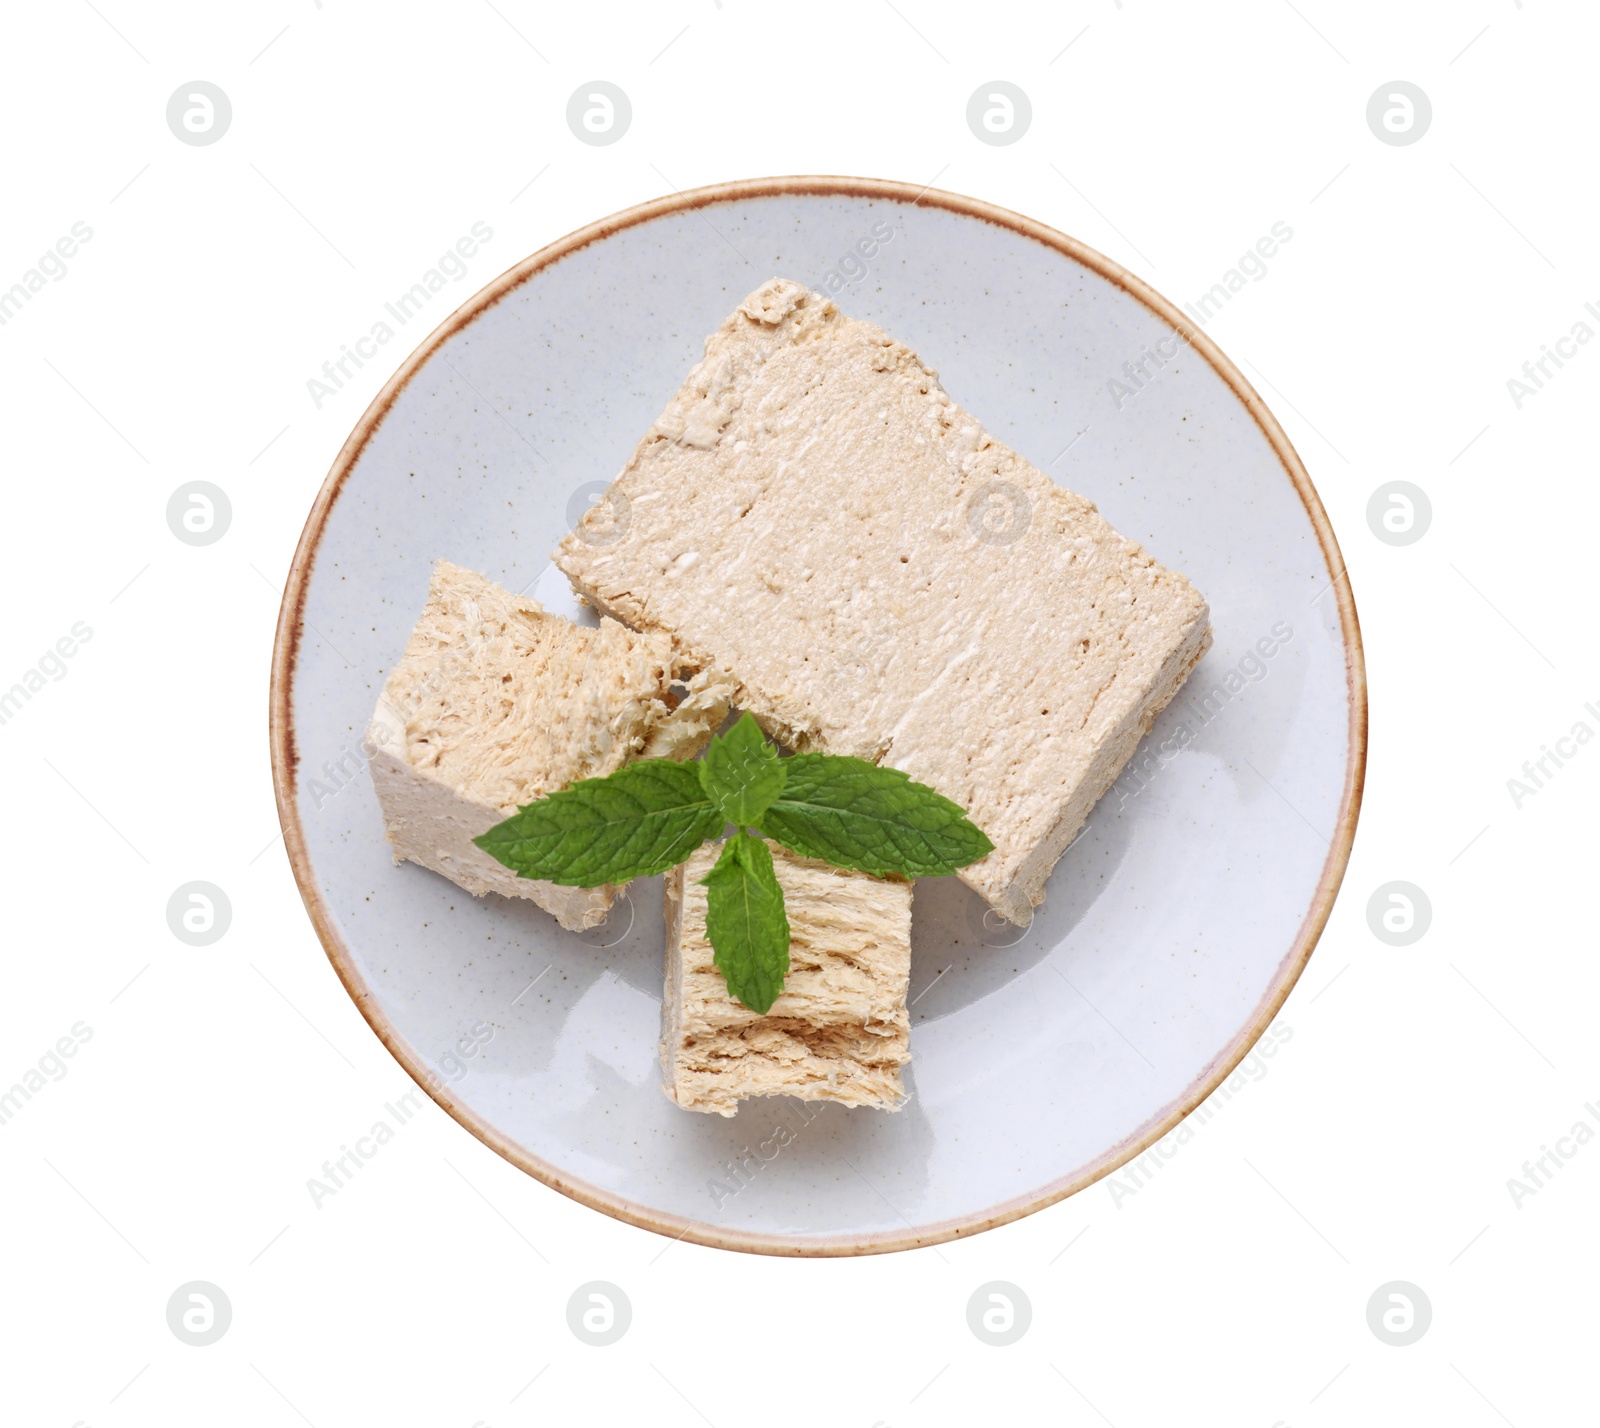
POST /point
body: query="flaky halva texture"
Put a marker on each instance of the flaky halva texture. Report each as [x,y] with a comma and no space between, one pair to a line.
[839,1030]
[885,579]
[496,703]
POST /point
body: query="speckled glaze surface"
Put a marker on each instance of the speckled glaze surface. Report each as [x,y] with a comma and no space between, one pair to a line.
[1172,930]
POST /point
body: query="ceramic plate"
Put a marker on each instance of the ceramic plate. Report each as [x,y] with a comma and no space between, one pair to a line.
[1172,930]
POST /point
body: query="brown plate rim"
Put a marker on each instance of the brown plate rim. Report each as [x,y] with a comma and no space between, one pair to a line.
[281,723]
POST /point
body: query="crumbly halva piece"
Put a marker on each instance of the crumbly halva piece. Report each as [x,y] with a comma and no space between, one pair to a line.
[496,703]
[839,1030]
[883,578]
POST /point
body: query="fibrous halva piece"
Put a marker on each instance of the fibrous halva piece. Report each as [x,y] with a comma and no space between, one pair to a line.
[882,578]
[495,703]
[839,1030]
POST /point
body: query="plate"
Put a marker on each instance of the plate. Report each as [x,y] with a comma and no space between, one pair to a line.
[1172,930]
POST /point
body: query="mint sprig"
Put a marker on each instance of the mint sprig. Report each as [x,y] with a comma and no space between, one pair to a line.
[643,819]
[650,815]
[746,923]
[742,773]
[874,819]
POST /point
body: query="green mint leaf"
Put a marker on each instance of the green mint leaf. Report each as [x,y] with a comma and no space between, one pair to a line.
[741,772]
[877,820]
[745,922]
[643,819]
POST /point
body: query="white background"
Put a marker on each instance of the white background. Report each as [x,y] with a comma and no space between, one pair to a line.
[365,139]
